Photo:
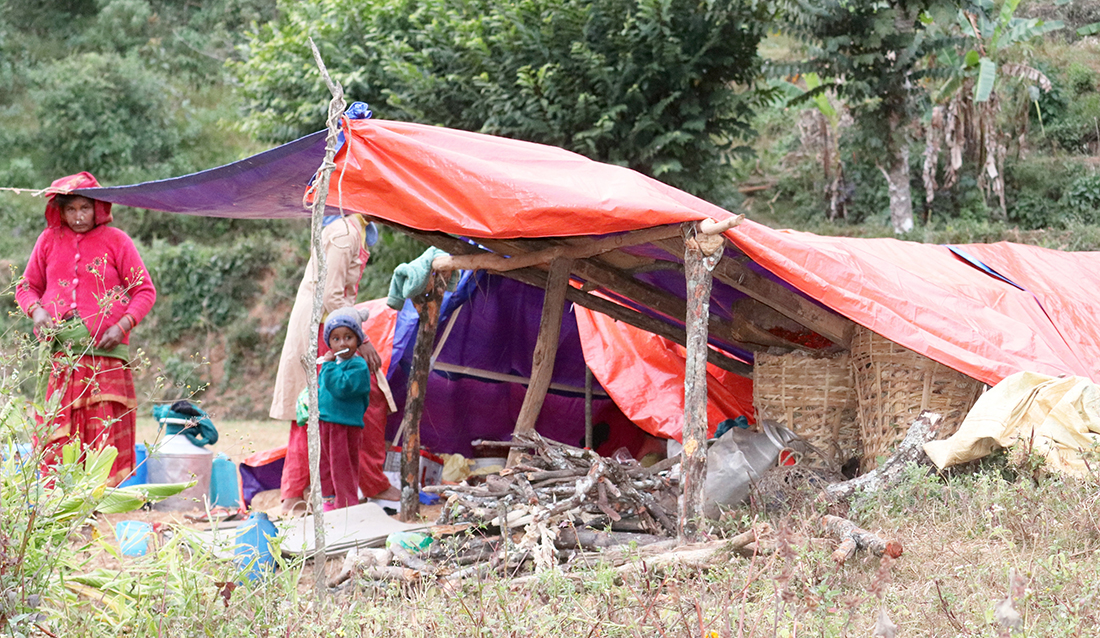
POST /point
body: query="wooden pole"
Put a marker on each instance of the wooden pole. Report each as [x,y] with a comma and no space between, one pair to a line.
[546,349]
[587,407]
[428,309]
[701,254]
[313,435]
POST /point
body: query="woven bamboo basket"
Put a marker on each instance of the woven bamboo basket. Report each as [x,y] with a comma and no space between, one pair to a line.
[815,397]
[894,384]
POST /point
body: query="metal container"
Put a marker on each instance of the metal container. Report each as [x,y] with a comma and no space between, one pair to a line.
[177,460]
[737,459]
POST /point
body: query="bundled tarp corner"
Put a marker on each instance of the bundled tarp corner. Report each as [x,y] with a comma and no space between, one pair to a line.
[1054,417]
[987,311]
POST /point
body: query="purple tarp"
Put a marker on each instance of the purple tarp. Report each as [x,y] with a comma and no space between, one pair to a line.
[268,185]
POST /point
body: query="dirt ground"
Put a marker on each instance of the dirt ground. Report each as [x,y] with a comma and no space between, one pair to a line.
[236,439]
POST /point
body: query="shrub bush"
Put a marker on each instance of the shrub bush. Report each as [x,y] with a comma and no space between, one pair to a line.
[202,286]
[1081,200]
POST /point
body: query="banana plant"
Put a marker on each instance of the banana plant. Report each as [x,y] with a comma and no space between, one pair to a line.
[42,518]
[995,37]
[987,36]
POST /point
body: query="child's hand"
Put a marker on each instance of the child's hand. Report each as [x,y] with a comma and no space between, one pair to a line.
[329,356]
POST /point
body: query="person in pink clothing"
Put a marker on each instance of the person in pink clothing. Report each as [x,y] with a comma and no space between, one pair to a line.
[86,287]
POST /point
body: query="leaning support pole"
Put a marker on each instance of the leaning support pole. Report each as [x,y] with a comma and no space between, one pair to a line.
[587,407]
[546,349]
[313,435]
[701,254]
[427,306]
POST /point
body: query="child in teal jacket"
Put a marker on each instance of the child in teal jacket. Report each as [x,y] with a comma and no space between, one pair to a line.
[343,394]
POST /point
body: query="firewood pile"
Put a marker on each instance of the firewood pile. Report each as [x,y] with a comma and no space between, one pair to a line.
[562,486]
[564,507]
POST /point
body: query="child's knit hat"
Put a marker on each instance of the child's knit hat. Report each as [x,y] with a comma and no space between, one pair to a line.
[347,318]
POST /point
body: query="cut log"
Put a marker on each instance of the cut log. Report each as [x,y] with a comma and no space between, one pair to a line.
[589,540]
[360,561]
[910,450]
[852,538]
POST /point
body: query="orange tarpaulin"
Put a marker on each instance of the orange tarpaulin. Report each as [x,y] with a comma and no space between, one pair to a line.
[379,328]
[433,178]
[925,298]
[921,296]
[644,374]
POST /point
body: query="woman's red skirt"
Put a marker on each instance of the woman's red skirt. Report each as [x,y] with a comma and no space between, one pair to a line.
[97,409]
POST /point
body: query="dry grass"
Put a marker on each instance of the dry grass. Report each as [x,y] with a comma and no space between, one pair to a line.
[963,535]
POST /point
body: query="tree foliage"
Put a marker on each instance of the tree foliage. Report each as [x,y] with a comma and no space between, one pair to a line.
[874,54]
[104,113]
[656,85]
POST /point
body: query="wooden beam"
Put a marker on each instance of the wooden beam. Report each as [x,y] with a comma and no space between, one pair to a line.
[711,227]
[693,458]
[580,248]
[634,318]
[832,326]
[743,333]
[537,278]
[427,306]
[546,349]
[489,375]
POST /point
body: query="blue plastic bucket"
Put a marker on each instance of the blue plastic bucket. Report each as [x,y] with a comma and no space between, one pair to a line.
[140,475]
[224,490]
[133,537]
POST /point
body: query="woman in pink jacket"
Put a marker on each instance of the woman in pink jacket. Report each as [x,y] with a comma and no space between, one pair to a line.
[86,288]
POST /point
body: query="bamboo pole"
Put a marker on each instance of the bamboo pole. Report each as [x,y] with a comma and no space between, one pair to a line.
[546,349]
[313,435]
[700,256]
[427,307]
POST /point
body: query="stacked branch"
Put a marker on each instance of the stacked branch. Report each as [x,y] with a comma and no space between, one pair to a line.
[565,486]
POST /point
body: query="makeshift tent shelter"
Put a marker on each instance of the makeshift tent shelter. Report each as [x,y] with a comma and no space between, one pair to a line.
[617,243]
[928,298]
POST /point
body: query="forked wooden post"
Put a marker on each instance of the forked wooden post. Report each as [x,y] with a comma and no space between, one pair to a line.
[546,349]
[313,435]
[701,253]
[427,307]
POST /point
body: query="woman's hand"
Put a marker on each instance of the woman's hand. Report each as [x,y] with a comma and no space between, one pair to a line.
[42,321]
[374,360]
[111,338]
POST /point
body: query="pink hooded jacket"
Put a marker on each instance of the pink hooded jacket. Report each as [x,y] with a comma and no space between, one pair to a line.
[97,275]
